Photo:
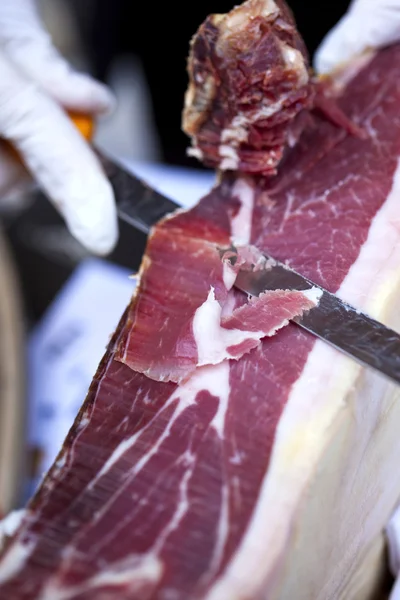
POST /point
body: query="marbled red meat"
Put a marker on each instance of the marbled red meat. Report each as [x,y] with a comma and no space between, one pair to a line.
[193,491]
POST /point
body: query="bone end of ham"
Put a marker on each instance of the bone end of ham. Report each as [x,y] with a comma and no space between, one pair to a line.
[249,80]
[251,89]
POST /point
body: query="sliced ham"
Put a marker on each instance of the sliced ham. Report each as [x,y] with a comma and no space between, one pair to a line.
[198,325]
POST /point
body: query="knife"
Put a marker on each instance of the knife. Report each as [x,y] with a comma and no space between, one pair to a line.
[344,327]
[339,324]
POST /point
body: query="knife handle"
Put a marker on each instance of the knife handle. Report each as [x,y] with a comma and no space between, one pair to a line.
[84,123]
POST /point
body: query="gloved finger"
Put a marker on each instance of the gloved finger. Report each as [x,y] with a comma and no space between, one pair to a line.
[393,543]
[395,592]
[368,24]
[29,46]
[59,158]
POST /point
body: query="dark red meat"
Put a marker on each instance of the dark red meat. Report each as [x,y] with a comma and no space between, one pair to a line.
[251,89]
[249,79]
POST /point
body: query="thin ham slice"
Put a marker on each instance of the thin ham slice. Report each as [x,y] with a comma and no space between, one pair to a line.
[167,341]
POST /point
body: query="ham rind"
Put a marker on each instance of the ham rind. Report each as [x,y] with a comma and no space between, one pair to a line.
[271,476]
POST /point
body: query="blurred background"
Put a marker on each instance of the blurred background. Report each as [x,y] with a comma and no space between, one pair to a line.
[58,305]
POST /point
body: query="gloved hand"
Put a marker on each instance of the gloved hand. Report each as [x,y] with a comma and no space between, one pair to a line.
[36,84]
[368,24]
[393,543]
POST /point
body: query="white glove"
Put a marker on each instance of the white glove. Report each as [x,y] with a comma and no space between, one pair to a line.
[36,85]
[367,25]
[393,542]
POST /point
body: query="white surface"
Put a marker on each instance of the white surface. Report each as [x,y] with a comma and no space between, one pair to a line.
[65,349]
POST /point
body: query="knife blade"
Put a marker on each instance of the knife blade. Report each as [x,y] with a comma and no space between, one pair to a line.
[365,340]
[137,203]
[344,327]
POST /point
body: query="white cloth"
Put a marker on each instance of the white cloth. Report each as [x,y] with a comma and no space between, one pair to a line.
[367,25]
[36,85]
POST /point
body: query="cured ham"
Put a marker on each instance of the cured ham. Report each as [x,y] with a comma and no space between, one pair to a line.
[271,474]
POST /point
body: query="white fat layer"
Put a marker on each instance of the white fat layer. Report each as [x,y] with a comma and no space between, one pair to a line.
[133,571]
[149,568]
[14,560]
[230,158]
[295,60]
[116,455]
[237,132]
[228,275]
[269,8]
[215,381]
[196,153]
[225,150]
[211,339]
[241,223]
[229,164]
[239,17]
[219,382]
[229,305]
[316,400]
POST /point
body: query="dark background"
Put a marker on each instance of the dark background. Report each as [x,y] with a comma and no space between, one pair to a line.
[159,34]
